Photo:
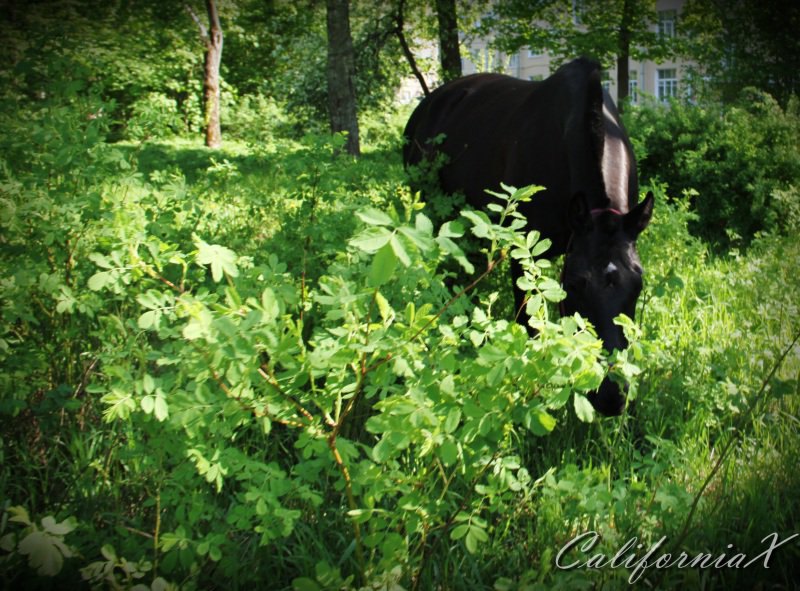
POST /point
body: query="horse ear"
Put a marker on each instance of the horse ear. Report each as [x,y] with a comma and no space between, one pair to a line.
[637,219]
[580,218]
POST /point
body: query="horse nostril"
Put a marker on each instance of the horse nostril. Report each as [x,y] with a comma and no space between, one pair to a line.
[611,274]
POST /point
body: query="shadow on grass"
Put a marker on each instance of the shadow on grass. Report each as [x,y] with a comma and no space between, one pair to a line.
[191,158]
[286,157]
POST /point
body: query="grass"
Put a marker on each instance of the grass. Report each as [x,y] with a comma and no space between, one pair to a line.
[712,327]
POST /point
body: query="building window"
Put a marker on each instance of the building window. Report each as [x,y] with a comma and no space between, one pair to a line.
[633,87]
[533,53]
[667,84]
[666,23]
[578,8]
[513,62]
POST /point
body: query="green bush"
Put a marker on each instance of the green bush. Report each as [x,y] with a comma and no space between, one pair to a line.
[221,368]
[254,119]
[741,162]
[155,115]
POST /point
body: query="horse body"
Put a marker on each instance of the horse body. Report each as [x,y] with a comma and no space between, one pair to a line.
[564,134]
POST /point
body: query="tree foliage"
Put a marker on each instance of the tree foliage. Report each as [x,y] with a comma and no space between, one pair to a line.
[610,31]
[744,43]
[565,29]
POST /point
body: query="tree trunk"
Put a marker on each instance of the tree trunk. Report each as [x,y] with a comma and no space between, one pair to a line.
[449,53]
[341,73]
[212,39]
[623,55]
[211,85]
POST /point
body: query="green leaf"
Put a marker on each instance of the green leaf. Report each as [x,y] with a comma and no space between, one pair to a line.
[422,241]
[496,374]
[221,259]
[452,420]
[454,229]
[541,422]
[525,283]
[448,452]
[382,451]
[270,305]
[199,326]
[554,295]
[540,247]
[58,529]
[305,584]
[480,223]
[455,251]
[423,224]
[524,194]
[391,442]
[374,217]
[149,319]
[161,410]
[471,541]
[399,250]
[583,408]
[108,552]
[100,260]
[384,308]
[19,515]
[148,383]
[371,239]
[45,553]
[99,280]
[148,404]
[478,531]
[459,531]
[383,266]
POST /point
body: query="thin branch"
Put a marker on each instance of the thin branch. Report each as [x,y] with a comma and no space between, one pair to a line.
[401,37]
[203,29]
[274,383]
[351,501]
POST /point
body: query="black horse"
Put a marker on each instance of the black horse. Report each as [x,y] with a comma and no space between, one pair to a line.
[564,134]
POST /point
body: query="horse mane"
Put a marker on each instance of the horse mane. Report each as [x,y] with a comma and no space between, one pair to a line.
[594,111]
[583,78]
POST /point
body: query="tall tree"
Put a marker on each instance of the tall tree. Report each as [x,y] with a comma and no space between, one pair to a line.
[342,107]
[611,31]
[212,38]
[449,53]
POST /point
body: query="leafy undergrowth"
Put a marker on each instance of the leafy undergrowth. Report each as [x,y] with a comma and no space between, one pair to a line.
[268,364]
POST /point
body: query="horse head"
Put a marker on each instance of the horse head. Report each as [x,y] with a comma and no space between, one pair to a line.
[602,277]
